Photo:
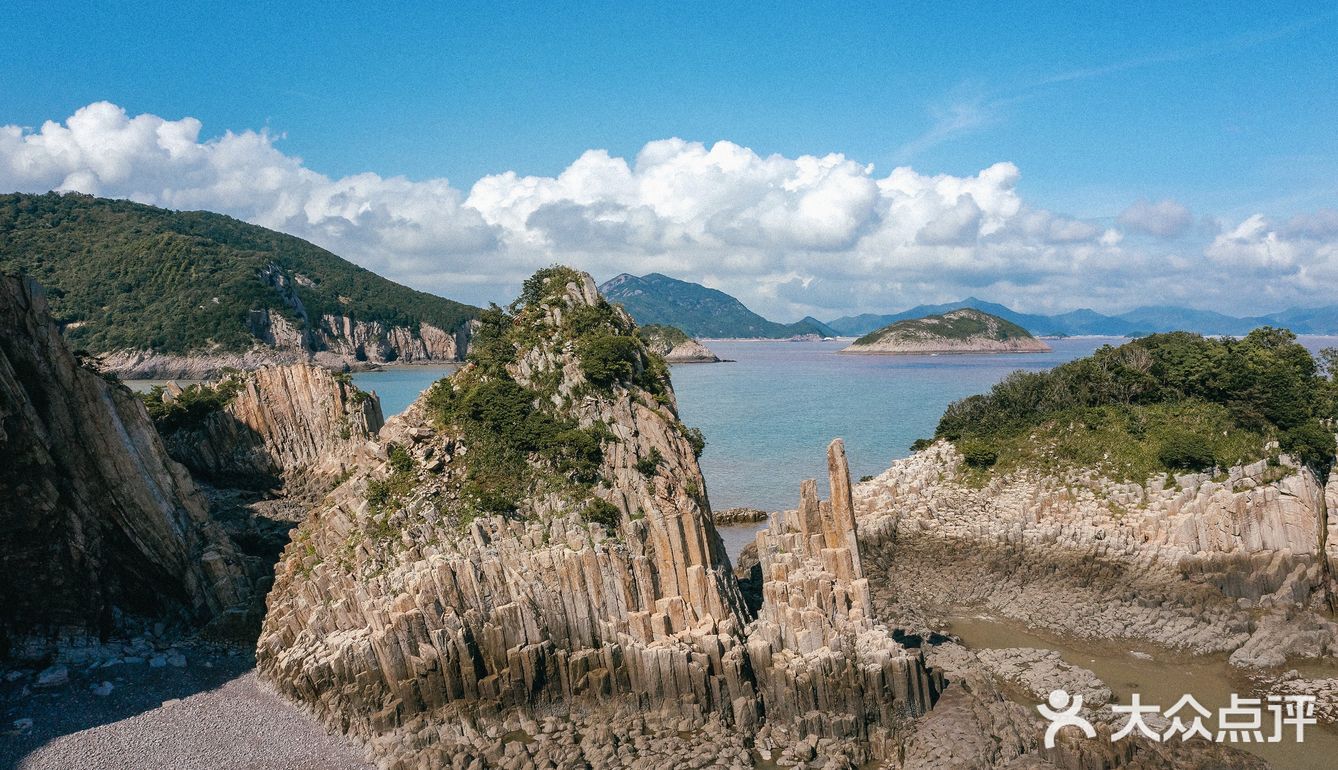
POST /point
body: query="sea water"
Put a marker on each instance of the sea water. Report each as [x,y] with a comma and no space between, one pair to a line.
[770,411]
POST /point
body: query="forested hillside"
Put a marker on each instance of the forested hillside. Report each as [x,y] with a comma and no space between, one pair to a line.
[125,276]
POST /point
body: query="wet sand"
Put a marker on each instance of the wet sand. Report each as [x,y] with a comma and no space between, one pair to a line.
[1161,678]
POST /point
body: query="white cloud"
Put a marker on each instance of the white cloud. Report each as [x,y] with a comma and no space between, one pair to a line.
[1164,219]
[1300,258]
[790,236]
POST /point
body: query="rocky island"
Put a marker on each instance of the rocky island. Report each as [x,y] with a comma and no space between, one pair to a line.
[675,346]
[958,331]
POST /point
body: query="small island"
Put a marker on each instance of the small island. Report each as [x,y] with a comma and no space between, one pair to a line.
[958,331]
[675,345]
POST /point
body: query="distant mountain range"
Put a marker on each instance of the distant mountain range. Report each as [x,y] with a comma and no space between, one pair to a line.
[697,310]
[703,312]
[1143,320]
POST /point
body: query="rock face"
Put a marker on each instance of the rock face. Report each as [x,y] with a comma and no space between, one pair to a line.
[298,422]
[690,352]
[405,627]
[826,667]
[1201,565]
[965,330]
[98,520]
[336,342]
[406,616]
[332,341]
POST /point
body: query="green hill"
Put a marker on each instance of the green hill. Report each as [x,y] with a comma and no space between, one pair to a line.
[697,310]
[965,330]
[125,276]
[1166,402]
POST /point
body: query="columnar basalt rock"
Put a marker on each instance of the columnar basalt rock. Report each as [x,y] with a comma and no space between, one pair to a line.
[415,624]
[98,519]
[405,614]
[1193,563]
[826,667]
[297,422]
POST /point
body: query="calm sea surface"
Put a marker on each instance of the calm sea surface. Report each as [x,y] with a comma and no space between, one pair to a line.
[769,413]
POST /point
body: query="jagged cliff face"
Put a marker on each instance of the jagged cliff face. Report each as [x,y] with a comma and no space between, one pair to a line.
[299,423]
[411,606]
[451,592]
[827,667]
[97,519]
[1202,565]
[332,341]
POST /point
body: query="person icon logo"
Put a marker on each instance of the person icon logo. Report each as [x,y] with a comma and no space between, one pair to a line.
[1063,712]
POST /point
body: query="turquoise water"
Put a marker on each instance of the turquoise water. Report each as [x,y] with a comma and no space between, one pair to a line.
[769,416]
[769,413]
[400,386]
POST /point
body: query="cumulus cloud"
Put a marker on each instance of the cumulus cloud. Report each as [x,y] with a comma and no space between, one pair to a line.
[1298,257]
[387,223]
[1165,218]
[821,235]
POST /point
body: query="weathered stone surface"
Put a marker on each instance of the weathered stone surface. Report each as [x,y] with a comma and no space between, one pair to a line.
[411,634]
[824,665]
[421,634]
[298,422]
[331,341]
[1198,565]
[97,519]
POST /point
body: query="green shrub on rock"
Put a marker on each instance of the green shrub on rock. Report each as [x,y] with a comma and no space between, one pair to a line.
[1163,402]
[608,359]
[977,453]
[1186,452]
[602,512]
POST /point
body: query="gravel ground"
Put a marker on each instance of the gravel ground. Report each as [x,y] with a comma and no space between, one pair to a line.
[209,713]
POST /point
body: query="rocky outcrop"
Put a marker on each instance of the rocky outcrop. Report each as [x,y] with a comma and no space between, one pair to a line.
[1190,563]
[98,522]
[674,346]
[338,343]
[299,423]
[335,342]
[417,626]
[733,516]
[690,352]
[597,623]
[825,666]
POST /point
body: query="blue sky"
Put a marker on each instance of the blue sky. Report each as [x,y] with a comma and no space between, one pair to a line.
[1227,109]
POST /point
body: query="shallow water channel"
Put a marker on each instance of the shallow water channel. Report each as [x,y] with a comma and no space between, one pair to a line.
[1161,677]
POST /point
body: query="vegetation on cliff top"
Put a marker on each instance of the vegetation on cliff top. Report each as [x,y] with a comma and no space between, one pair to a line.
[192,405]
[125,276]
[523,438]
[1166,402]
[668,337]
[956,326]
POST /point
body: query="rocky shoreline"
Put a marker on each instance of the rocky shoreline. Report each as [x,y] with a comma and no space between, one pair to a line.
[594,620]
[1199,565]
[733,516]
